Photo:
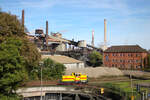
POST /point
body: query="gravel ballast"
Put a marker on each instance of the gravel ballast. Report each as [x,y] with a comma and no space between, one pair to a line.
[96,72]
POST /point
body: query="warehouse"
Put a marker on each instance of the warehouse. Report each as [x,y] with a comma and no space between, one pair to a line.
[70,63]
[125,57]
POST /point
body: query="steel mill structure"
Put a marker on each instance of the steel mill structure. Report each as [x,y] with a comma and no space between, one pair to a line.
[54,43]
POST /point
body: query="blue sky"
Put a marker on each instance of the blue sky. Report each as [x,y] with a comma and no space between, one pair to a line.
[128,21]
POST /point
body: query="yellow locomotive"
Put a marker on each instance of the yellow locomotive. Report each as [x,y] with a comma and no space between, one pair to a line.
[74,78]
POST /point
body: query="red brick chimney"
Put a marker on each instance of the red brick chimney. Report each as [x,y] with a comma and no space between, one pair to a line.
[22,18]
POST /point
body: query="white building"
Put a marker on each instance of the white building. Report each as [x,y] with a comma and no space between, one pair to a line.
[68,62]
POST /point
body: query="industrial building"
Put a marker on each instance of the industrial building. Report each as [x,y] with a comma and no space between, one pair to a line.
[69,63]
[125,57]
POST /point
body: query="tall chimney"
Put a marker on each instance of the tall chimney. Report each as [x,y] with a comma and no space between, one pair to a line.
[46,33]
[22,18]
[105,28]
[92,38]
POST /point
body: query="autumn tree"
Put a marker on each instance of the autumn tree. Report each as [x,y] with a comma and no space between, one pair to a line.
[10,25]
[31,55]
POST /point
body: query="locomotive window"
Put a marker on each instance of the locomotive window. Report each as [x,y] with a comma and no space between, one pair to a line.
[73,73]
[77,74]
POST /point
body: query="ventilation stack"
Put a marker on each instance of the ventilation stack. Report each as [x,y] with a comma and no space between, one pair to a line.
[105,28]
[104,46]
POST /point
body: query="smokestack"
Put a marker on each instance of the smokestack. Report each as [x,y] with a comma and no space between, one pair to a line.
[23,18]
[46,33]
[105,28]
[46,28]
[92,38]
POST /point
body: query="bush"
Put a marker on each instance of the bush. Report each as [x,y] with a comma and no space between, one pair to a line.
[10,97]
[148,60]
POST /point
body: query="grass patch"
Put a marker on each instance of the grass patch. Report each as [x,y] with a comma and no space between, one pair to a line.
[123,88]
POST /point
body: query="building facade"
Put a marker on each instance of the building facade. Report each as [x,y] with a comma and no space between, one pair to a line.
[125,57]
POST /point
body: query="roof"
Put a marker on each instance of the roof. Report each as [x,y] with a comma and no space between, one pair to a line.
[50,39]
[56,39]
[61,59]
[126,48]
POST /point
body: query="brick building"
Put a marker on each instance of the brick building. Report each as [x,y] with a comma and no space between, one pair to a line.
[125,57]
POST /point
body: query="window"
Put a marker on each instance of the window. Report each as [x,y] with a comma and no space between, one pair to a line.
[78,65]
[124,61]
[116,60]
[129,54]
[107,59]
[133,61]
[113,60]
[121,65]
[137,61]
[106,54]
[123,54]
[129,61]
[137,55]
[120,60]
[113,54]
[120,54]
[116,54]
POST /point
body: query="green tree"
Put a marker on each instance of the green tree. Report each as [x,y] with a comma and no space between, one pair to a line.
[17,56]
[12,68]
[95,59]
[10,26]
[52,70]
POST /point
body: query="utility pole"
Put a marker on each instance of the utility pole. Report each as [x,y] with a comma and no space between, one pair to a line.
[132,97]
[41,65]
